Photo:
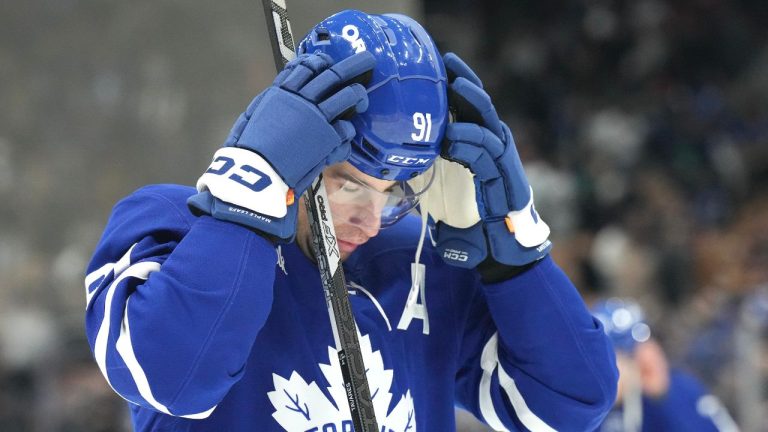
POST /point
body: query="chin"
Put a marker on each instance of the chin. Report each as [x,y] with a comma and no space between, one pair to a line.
[344,256]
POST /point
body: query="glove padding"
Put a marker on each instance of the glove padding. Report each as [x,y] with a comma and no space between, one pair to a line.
[282,141]
[480,198]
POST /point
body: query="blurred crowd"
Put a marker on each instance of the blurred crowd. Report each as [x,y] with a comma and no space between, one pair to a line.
[643,125]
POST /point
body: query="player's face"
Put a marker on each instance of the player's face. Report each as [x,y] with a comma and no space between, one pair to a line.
[646,370]
[357,202]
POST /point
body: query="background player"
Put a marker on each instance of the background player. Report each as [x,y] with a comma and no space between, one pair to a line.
[652,396]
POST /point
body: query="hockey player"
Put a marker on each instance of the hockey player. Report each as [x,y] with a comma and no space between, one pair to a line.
[192,321]
[652,396]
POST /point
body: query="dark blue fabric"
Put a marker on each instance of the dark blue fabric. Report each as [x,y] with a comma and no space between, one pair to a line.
[186,320]
[526,335]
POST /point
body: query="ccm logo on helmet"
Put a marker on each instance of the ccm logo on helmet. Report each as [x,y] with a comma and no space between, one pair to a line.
[406,160]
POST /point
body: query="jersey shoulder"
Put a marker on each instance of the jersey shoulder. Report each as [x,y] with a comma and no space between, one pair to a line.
[155,211]
[159,206]
[686,383]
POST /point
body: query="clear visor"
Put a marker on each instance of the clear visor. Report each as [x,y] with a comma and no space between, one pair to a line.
[376,204]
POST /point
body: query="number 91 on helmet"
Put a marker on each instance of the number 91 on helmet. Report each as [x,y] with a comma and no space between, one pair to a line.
[398,137]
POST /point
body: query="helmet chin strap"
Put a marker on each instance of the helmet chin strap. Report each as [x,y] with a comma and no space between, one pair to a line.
[414,309]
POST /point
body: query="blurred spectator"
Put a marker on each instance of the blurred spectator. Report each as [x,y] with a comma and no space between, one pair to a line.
[653,396]
[725,333]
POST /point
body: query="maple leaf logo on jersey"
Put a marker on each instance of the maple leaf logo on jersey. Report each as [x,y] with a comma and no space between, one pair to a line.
[303,406]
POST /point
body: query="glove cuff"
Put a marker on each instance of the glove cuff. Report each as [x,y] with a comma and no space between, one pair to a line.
[530,230]
[242,177]
[468,247]
[277,230]
[461,247]
[492,271]
[507,250]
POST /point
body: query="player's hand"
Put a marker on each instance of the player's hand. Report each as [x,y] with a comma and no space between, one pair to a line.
[486,204]
[282,141]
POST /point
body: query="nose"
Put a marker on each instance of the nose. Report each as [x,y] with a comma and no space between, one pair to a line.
[367,218]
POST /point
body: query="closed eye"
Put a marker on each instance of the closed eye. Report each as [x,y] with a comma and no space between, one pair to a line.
[350,180]
[350,187]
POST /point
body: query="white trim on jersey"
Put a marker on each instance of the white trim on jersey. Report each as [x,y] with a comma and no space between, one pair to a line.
[141,271]
[119,266]
[489,361]
[123,270]
[125,348]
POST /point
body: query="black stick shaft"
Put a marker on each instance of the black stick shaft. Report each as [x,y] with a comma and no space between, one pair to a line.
[327,252]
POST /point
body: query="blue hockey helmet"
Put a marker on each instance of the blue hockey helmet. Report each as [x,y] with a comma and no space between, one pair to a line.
[399,136]
[623,321]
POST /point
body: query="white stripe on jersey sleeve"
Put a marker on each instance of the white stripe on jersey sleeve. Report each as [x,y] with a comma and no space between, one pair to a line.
[103,271]
[141,271]
[489,360]
[526,416]
[125,348]
[123,270]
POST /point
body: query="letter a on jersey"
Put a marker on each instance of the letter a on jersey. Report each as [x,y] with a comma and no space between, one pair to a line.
[416,306]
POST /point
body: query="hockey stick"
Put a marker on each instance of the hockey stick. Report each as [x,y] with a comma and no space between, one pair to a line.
[327,253]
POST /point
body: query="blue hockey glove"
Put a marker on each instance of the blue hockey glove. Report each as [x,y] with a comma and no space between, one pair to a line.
[282,141]
[482,201]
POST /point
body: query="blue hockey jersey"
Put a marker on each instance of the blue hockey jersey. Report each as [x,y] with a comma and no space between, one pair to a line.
[203,325]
